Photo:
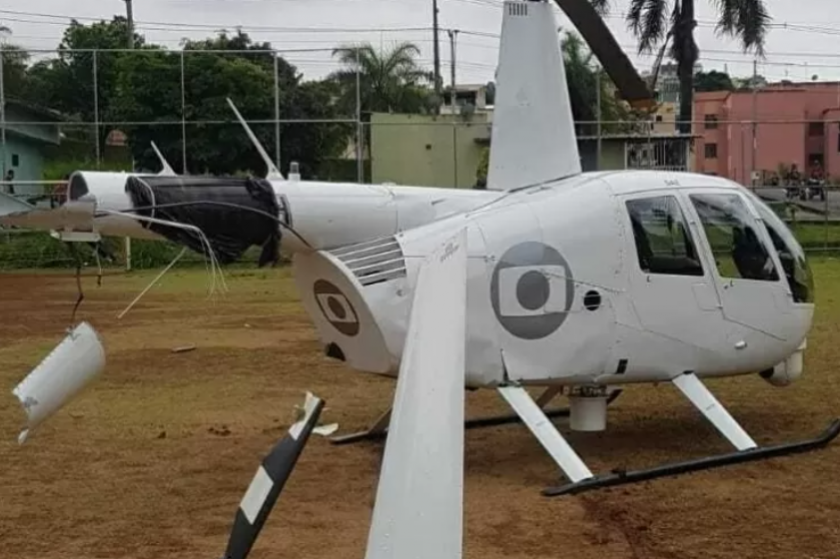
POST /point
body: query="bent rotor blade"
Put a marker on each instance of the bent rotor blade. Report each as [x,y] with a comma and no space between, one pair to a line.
[269,480]
[606,49]
[419,500]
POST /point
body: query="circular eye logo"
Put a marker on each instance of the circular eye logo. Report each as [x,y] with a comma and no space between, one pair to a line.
[336,308]
[532,290]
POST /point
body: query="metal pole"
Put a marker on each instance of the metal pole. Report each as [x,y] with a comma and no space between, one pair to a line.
[129,14]
[277,110]
[183,116]
[453,96]
[3,106]
[360,164]
[435,33]
[96,103]
[598,117]
[754,121]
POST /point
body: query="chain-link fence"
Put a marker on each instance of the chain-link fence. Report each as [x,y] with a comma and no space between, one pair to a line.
[66,110]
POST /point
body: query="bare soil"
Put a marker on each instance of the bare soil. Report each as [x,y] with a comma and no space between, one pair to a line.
[152,460]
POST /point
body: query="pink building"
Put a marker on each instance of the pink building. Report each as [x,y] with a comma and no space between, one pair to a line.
[796,123]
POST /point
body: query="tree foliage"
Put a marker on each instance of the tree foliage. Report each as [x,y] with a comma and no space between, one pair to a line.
[142,87]
[655,22]
[713,81]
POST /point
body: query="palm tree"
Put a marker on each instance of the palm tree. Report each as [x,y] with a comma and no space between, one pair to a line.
[655,21]
[389,81]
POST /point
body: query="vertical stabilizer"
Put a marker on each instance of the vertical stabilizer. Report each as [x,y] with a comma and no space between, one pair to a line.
[533,138]
[272,171]
[166,170]
[419,501]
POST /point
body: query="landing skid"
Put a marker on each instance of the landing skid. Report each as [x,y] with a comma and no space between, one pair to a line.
[708,463]
[380,428]
[581,478]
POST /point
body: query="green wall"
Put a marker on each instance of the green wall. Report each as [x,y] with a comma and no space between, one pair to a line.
[30,162]
[426,150]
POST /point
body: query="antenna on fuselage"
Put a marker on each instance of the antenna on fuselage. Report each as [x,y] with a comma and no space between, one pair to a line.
[533,136]
[167,170]
[273,172]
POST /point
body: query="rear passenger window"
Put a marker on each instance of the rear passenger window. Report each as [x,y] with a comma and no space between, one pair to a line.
[734,237]
[663,242]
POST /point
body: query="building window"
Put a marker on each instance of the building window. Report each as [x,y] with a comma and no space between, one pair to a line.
[663,242]
[838,142]
[815,128]
[15,160]
[711,122]
[658,118]
[734,238]
[711,151]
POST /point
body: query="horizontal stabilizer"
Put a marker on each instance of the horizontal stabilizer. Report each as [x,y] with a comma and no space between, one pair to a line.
[269,480]
[419,501]
[76,215]
[272,172]
[166,168]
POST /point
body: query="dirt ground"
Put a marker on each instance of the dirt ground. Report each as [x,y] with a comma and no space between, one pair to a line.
[153,459]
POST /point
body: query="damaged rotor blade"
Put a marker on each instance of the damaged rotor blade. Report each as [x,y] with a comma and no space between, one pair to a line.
[269,480]
[60,376]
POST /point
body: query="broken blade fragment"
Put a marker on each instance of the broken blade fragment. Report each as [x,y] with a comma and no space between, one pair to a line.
[60,376]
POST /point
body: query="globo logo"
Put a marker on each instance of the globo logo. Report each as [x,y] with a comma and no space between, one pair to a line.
[532,290]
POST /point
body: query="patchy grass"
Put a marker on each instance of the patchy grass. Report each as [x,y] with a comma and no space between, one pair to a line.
[153,459]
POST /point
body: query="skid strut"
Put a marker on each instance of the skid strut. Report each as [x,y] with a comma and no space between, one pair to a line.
[581,479]
[379,429]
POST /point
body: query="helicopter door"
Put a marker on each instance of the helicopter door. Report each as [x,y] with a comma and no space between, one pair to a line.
[752,289]
[671,281]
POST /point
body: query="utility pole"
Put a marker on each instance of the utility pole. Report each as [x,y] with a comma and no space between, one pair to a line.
[129,15]
[453,99]
[452,34]
[435,32]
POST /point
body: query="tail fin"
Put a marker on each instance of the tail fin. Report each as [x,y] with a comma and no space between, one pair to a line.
[167,170]
[273,172]
[533,136]
[419,501]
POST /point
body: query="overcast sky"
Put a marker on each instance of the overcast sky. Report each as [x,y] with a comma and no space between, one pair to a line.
[802,42]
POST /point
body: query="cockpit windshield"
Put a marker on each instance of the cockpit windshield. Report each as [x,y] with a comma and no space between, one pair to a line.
[791,253]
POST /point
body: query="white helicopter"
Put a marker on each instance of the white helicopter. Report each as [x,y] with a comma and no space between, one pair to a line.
[575,282]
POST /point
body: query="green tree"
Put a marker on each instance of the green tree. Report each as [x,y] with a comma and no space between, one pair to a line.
[66,83]
[713,81]
[15,60]
[149,90]
[655,21]
[583,81]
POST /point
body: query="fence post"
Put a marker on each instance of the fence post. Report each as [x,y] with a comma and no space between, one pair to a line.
[360,133]
[183,115]
[277,111]
[96,103]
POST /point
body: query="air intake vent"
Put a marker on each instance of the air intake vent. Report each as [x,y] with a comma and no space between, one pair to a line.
[373,261]
[518,9]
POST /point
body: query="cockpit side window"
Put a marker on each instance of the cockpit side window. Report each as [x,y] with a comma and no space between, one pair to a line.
[734,237]
[663,241]
[794,262]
